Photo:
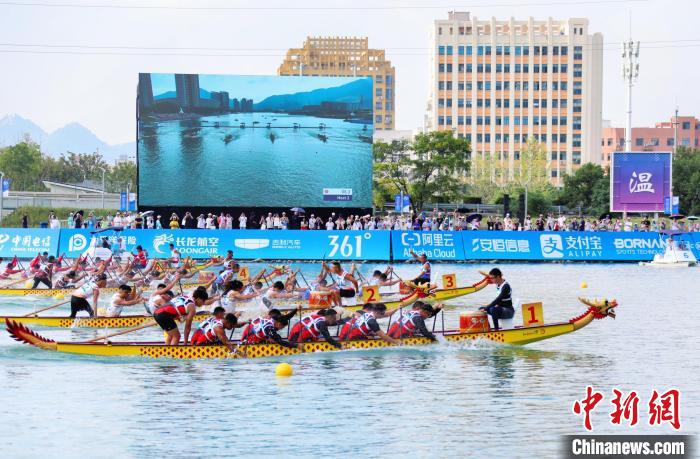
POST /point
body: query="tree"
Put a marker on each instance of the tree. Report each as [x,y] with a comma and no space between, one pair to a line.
[433,166]
[588,187]
[22,164]
[686,179]
[532,169]
[119,175]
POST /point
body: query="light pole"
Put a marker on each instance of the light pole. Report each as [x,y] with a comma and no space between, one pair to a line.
[103,186]
[630,72]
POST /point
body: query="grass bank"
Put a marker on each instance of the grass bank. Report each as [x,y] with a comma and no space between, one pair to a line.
[37,215]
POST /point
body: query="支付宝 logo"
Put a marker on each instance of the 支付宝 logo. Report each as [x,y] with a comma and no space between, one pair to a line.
[552,246]
[641,183]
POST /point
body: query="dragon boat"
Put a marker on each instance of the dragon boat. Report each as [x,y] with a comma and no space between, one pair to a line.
[51,292]
[423,293]
[596,309]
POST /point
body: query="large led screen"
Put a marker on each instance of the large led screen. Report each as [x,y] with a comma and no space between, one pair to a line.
[254,141]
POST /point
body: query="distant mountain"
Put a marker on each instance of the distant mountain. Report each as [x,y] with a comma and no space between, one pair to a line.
[73,137]
[203,93]
[350,92]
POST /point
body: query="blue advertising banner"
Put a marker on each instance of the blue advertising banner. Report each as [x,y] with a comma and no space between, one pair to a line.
[552,245]
[27,242]
[437,245]
[246,244]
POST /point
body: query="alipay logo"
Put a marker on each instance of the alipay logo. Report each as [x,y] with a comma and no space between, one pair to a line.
[77,243]
[552,246]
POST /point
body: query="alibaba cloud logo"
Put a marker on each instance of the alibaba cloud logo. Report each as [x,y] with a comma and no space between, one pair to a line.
[251,244]
[551,246]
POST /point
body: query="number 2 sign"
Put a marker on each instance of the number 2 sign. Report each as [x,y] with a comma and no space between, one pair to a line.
[370,294]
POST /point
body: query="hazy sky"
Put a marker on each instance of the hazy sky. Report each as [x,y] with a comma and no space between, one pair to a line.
[86,67]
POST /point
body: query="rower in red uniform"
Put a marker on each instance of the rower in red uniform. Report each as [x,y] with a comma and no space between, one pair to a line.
[264,330]
[412,323]
[183,306]
[364,324]
[310,328]
[140,257]
[213,329]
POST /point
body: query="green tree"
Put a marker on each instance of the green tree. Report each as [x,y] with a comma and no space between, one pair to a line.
[588,187]
[22,164]
[119,175]
[686,179]
[433,166]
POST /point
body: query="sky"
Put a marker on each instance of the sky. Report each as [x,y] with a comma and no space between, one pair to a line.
[255,87]
[78,60]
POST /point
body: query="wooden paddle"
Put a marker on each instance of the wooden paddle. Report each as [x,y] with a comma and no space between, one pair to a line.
[47,308]
[123,332]
[15,283]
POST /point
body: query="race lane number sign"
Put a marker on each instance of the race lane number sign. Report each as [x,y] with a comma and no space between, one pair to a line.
[533,316]
[449,281]
[337,194]
[370,294]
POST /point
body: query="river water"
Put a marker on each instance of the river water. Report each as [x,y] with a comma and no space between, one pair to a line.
[470,400]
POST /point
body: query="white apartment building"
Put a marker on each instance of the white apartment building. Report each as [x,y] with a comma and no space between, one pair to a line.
[497,83]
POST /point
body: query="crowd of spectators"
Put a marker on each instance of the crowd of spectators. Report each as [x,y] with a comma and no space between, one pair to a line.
[426,221]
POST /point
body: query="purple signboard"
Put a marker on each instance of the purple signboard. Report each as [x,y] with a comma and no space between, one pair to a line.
[640,181]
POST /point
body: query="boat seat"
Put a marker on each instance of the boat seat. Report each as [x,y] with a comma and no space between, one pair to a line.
[503,324]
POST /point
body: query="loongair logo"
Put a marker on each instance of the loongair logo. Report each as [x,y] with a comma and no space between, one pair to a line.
[552,246]
[161,240]
[77,243]
[251,244]
[641,183]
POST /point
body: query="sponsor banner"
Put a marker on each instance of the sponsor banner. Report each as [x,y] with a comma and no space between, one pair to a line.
[246,244]
[437,245]
[309,245]
[561,245]
[27,242]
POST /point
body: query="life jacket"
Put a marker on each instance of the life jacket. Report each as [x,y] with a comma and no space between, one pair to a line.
[307,328]
[205,333]
[357,328]
[255,332]
[405,326]
[177,306]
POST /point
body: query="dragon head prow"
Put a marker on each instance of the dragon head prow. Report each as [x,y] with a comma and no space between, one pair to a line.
[601,307]
[487,277]
[21,333]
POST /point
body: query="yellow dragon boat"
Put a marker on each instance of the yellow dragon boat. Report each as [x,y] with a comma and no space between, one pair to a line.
[432,296]
[50,292]
[517,336]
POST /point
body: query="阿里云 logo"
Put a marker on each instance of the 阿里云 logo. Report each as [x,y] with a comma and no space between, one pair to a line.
[552,246]
[641,183]
[77,242]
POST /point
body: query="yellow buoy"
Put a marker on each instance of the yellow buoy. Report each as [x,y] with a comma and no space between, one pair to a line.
[59,296]
[584,285]
[284,369]
[28,284]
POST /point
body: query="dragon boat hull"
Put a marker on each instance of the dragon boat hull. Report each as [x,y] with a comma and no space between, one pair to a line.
[516,336]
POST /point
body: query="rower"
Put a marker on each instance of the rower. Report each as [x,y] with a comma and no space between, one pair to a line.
[44,273]
[502,306]
[277,291]
[364,324]
[233,293]
[412,323]
[78,299]
[424,276]
[213,329]
[140,257]
[264,330]
[68,280]
[347,284]
[310,328]
[225,276]
[121,299]
[161,296]
[183,306]
[174,259]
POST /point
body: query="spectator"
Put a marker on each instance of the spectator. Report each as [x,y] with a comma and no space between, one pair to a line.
[25,221]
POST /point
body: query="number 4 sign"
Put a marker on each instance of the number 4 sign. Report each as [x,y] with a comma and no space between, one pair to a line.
[449,281]
[532,315]
[243,273]
[370,294]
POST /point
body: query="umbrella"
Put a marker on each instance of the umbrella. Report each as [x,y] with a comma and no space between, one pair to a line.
[692,217]
[109,228]
[473,217]
[298,209]
[676,216]
[671,232]
[148,212]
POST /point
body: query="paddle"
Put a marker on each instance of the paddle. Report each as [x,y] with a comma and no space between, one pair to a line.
[14,283]
[47,308]
[123,332]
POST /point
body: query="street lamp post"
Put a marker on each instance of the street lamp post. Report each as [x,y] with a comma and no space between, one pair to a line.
[2,194]
[103,186]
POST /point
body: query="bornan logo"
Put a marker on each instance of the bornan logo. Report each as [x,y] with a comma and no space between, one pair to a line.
[552,246]
[161,240]
[641,183]
[77,243]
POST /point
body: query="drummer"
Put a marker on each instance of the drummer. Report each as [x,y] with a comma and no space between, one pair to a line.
[502,306]
[424,275]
